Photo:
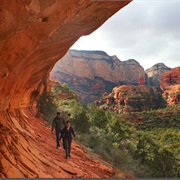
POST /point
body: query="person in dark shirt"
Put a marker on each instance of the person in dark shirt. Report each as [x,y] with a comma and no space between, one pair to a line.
[58,124]
[67,133]
[68,119]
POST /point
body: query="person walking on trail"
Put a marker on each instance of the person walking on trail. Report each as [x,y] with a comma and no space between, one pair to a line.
[58,124]
[68,119]
[67,138]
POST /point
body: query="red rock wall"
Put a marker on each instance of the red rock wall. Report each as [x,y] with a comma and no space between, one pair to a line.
[91,73]
[170,78]
[34,34]
[170,84]
[99,64]
[128,98]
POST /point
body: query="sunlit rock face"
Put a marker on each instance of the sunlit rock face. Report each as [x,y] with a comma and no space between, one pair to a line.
[128,98]
[34,34]
[170,84]
[91,73]
[155,73]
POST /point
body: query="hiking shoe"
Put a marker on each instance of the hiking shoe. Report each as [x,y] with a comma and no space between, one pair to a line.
[57,146]
[66,157]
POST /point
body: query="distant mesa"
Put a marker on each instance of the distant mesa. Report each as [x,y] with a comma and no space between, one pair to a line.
[92,73]
[89,52]
[155,73]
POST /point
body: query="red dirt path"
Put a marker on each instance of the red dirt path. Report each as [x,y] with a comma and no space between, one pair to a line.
[30,151]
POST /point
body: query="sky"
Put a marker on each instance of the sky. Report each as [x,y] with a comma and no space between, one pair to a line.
[145,30]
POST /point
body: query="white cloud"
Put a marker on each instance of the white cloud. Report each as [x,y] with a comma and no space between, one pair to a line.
[148,31]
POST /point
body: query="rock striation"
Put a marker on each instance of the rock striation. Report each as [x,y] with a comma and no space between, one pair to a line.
[91,73]
[28,150]
[155,73]
[34,34]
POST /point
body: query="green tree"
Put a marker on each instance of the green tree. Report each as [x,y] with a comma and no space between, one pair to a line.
[80,119]
[47,107]
[98,118]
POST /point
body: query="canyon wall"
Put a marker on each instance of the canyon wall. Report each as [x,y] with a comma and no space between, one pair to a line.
[91,73]
[34,34]
[155,73]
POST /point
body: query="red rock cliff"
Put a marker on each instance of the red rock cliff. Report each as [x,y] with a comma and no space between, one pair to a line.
[170,84]
[91,73]
[128,98]
[34,34]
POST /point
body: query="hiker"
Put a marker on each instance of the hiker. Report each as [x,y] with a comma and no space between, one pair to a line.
[67,138]
[68,119]
[58,123]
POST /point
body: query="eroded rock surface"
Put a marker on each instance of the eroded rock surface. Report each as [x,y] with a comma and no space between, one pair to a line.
[28,149]
[170,84]
[34,34]
[37,33]
[128,98]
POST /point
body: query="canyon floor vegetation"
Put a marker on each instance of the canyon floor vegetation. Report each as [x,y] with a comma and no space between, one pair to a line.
[149,148]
